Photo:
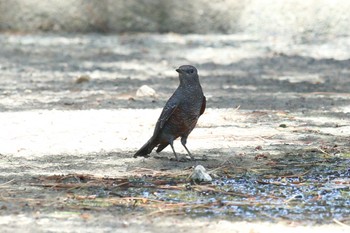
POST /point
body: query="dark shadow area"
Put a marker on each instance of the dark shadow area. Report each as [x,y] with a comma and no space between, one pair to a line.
[255,84]
[300,186]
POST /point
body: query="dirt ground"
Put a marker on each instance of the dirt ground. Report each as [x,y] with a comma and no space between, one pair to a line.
[68,105]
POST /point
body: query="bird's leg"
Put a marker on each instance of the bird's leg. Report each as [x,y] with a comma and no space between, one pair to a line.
[183,142]
[172,147]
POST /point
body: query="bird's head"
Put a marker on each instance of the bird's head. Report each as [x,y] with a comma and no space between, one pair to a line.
[187,70]
[188,75]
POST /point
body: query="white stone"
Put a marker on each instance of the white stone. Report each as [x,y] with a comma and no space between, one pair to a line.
[200,175]
[144,91]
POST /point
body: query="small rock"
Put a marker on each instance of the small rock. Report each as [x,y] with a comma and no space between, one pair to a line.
[144,91]
[125,224]
[200,175]
[83,79]
[67,101]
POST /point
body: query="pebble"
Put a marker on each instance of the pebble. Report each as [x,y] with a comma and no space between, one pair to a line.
[145,91]
[200,174]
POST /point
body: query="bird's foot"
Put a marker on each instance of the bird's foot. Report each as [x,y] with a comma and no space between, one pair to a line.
[181,159]
[145,156]
[159,157]
[188,159]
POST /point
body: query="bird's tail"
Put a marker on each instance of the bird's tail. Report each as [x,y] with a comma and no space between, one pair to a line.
[145,149]
[161,147]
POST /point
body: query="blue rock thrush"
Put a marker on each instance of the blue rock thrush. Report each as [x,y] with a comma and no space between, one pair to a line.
[180,114]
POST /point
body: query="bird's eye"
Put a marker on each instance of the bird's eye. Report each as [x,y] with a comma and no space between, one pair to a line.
[191,71]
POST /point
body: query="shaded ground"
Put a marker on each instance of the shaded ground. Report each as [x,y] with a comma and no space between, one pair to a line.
[68,106]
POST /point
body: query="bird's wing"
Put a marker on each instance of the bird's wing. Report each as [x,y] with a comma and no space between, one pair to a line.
[168,110]
[204,103]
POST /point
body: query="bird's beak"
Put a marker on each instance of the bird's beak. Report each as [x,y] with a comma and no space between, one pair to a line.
[179,71]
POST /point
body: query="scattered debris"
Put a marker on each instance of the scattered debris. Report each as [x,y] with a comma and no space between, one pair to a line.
[261,156]
[291,183]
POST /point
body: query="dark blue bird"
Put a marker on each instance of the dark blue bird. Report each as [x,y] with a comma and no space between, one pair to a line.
[180,114]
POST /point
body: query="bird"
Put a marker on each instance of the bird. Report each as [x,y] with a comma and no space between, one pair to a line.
[179,115]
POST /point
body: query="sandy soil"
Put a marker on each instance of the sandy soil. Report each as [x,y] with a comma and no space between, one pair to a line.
[68,105]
